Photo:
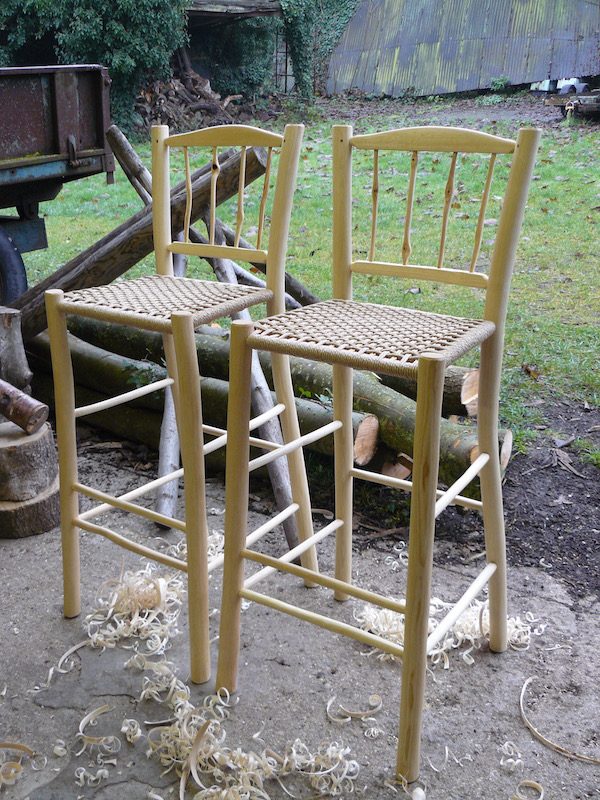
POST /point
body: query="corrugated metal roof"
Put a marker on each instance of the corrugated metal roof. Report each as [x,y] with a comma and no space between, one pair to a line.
[431,47]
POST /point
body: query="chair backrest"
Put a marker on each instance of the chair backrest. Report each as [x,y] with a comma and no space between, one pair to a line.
[250,151]
[439,140]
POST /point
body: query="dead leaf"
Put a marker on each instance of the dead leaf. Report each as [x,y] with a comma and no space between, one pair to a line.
[532,370]
[563,442]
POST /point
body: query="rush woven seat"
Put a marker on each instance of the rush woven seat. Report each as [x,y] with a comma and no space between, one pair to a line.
[368,336]
[176,306]
[415,343]
[150,301]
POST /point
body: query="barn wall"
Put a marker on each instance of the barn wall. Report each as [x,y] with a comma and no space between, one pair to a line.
[439,46]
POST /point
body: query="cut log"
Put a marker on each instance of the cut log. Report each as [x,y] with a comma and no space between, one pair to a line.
[20,408]
[30,517]
[27,463]
[123,247]
[141,419]
[461,390]
[13,362]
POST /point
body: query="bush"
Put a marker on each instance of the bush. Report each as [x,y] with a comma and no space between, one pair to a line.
[135,39]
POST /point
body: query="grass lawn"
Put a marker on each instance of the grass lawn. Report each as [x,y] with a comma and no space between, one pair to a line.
[553,335]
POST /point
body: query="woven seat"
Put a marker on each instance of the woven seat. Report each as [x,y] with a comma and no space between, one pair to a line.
[175,307]
[412,343]
[368,336]
[149,302]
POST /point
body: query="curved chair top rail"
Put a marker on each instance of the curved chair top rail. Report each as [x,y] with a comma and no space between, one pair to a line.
[435,139]
[226,136]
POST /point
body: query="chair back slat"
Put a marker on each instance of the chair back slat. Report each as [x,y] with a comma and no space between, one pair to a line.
[482,210]
[406,245]
[374,203]
[443,264]
[448,197]
[214,177]
[239,217]
[226,136]
[263,199]
[188,196]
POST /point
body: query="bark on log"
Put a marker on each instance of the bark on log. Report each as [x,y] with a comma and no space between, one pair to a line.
[99,374]
[26,412]
[395,412]
[27,463]
[461,389]
[30,517]
[123,247]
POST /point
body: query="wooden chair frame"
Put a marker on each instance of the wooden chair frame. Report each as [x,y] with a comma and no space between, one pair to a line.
[207,300]
[285,334]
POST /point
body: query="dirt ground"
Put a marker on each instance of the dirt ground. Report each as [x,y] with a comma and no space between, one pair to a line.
[289,672]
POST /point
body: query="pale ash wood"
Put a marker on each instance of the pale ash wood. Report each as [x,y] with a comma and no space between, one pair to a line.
[219,251]
[482,209]
[442,274]
[226,136]
[239,219]
[406,245]
[448,196]
[263,200]
[434,139]
[374,203]
[343,461]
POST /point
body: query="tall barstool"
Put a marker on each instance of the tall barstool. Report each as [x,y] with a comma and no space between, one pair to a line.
[175,307]
[397,341]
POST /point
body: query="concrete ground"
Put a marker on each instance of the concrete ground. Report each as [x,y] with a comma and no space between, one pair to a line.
[289,672]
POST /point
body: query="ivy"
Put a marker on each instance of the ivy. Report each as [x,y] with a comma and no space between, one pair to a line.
[299,19]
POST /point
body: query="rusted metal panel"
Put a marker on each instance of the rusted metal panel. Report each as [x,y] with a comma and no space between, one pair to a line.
[430,47]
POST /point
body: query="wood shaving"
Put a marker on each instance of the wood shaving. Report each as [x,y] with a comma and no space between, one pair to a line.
[106,745]
[511,757]
[527,784]
[11,770]
[544,740]
[468,633]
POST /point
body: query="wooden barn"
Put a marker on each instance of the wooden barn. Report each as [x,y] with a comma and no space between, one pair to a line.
[423,47]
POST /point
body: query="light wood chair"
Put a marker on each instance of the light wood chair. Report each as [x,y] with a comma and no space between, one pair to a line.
[174,306]
[386,339]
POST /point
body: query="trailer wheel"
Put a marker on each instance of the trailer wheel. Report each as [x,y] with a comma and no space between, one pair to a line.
[13,277]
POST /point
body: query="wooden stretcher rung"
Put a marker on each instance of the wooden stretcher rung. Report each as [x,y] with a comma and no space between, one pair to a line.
[460,606]
[325,622]
[119,399]
[139,491]
[399,483]
[220,441]
[327,581]
[301,441]
[132,508]
[253,537]
[465,479]
[133,547]
[256,422]
[291,554]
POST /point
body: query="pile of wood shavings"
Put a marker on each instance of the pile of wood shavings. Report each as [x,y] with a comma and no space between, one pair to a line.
[469,632]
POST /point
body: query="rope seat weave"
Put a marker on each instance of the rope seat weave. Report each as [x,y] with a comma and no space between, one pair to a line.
[152,300]
[369,336]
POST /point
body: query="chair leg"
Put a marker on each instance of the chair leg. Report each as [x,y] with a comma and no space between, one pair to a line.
[420,557]
[491,493]
[284,392]
[64,397]
[236,504]
[189,415]
[344,459]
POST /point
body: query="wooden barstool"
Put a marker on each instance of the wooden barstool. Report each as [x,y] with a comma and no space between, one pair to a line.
[175,307]
[397,341]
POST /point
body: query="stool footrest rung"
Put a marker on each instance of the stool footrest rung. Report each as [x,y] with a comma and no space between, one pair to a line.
[132,508]
[120,399]
[465,479]
[460,606]
[284,449]
[322,621]
[400,483]
[327,581]
[139,491]
[133,547]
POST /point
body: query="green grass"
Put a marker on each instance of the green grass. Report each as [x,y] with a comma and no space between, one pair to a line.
[552,337]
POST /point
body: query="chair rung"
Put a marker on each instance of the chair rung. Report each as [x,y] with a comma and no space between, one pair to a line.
[256,422]
[460,606]
[133,547]
[132,508]
[325,622]
[220,441]
[139,491]
[284,449]
[253,537]
[119,399]
[327,581]
[465,479]
[291,554]
[399,483]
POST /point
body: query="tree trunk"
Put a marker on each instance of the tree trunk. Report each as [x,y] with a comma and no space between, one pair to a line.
[20,408]
[123,247]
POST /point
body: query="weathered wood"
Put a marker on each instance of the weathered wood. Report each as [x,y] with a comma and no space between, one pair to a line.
[27,463]
[30,517]
[123,247]
[13,362]
[26,412]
